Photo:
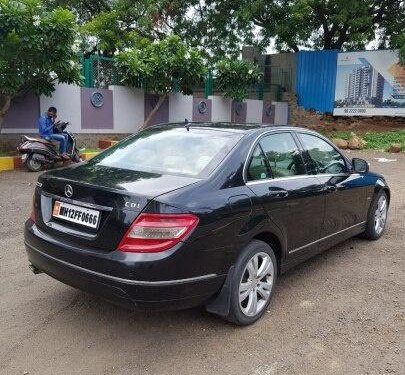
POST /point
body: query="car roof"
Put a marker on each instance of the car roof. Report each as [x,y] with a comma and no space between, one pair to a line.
[232,127]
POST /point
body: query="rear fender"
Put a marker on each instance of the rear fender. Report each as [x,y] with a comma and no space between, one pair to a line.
[39,157]
[38,148]
[44,157]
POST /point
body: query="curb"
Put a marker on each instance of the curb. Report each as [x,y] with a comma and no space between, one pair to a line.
[10,163]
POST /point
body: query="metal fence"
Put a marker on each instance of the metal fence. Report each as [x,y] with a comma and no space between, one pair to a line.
[101,72]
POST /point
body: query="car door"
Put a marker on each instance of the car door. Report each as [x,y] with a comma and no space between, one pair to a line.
[293,200]
[345,195]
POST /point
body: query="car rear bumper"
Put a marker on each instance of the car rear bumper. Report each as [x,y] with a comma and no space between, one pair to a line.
[165,294]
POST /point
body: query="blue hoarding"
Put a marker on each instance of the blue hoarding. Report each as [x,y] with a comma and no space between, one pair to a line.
[316,79]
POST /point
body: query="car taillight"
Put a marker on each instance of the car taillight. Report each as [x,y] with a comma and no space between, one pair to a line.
[151,233]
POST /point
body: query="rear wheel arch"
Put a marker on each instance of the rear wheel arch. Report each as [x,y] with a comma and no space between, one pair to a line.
[220,304]
[275,243]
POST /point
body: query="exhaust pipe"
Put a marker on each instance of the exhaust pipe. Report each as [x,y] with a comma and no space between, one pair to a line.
[34,269]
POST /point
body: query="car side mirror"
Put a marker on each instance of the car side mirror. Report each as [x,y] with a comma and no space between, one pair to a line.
[359,165]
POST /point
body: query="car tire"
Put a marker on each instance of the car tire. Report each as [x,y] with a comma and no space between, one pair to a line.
[32,164]
[377,217]
[254,277]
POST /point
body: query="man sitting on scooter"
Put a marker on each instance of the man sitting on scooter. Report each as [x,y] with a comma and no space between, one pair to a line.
[46,124]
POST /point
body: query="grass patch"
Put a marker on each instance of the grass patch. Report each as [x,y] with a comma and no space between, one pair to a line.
[381,141]
[375,140]
[90,149]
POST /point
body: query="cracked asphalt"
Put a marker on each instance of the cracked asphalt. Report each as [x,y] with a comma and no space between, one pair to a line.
[342,312]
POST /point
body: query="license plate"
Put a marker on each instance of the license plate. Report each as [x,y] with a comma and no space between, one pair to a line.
[76,214]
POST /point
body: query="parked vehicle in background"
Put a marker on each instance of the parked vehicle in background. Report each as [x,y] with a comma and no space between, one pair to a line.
[210,213]
[39,153]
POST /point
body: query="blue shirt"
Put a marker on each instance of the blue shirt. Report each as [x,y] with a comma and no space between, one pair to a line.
[45,125]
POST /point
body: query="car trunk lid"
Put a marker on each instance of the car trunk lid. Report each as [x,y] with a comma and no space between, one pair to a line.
[118,195]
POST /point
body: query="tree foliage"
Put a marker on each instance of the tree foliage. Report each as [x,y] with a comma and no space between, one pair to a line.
[37,47]
[294,24]
[399,42]
[84,10]
[234,77]
[124,21]
[219,27]
[162,66]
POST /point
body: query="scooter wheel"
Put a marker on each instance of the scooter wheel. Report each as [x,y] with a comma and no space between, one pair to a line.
[76,158]
[32,164]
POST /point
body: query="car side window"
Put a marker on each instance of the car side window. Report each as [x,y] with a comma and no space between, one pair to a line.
[322,158]
[257,169]
[283,155]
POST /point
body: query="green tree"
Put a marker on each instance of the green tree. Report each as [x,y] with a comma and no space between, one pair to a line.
[399,42]
[36,49]
[84,10]
[161,65]
[219,28]
[124,21]
[234,77]
[332,24]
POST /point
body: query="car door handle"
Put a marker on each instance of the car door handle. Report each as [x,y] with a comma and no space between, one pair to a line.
[277,193]
[330,188]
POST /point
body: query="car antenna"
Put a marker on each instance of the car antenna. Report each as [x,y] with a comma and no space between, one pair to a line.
[187,124]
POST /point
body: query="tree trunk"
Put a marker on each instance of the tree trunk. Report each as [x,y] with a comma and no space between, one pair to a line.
[343,37]
[294,47]
[154,110]
[5,102]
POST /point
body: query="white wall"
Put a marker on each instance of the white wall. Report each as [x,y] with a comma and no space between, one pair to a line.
[281,113]
[66,98]
[254,110]
[221,108]
[180,107]
[128,109]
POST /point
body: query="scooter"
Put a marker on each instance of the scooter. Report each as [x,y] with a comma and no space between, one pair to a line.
[38,153]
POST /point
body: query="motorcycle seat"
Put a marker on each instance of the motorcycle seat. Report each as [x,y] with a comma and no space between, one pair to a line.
[41,140]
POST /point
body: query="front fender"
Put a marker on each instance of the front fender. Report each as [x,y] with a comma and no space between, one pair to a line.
[380,185]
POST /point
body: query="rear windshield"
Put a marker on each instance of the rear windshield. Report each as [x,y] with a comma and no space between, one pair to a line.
[194,153]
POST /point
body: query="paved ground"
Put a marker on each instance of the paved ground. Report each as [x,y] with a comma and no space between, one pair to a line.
[340,313]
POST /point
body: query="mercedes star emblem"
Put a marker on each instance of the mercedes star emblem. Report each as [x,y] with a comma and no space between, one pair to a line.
[68,191]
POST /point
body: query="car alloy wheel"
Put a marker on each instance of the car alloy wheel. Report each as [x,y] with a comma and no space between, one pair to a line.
[256,284]
[380,215]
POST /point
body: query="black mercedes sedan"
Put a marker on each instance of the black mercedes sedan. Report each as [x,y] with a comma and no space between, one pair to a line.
[180,215]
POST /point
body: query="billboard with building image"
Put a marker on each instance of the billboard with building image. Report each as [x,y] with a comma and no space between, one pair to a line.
[369,83]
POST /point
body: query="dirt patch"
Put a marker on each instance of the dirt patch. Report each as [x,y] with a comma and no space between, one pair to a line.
[360,125]
[341,312]
[326,122]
